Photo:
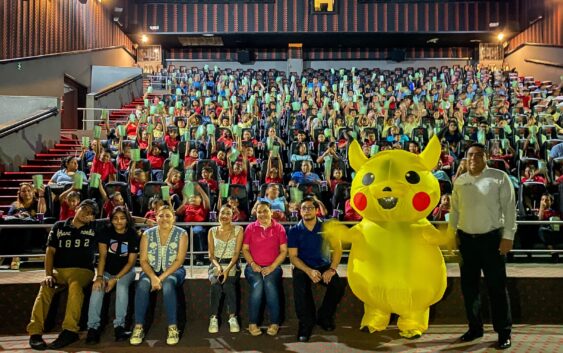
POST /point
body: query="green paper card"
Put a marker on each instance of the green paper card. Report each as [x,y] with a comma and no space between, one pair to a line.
[38,181]
[234,154]
[95,179]
[296,195]
[85,141]
[275,150]
[77,180]
[207,101]
[224,190]
[149,90]
[121,130]
[336,106]
[135,154]
[233,99]
[237,131]
[150,128]
[373,150]
[152,110]
[171,111]
[328,133]
[132,118]
[226,104]
[178,91]
[147,102]
[210,129]
[198,94]
[97,132]
[189,189]
[174,160]
[165,192]
[179,105]
[296,106]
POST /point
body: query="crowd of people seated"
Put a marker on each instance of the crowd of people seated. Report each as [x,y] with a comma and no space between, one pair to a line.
[241,137]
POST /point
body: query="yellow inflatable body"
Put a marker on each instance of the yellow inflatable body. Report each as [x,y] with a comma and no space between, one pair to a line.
[395,263]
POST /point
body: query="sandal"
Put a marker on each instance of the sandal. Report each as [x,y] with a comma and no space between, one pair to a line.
[254,330]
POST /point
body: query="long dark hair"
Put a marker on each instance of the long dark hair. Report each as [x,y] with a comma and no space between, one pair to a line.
[125,211]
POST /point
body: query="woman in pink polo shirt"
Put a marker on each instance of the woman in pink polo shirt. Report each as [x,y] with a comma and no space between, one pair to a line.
[264,248]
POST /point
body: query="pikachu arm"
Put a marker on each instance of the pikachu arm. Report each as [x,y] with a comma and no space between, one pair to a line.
[434,236]
[337,233]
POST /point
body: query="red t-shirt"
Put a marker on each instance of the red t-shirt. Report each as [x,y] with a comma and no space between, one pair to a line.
[350,214]
[219,162]
[136,187]
[273,180]
[151,215]
[239,179]
[123,162]
[194,213]
[65,212]
[156,161]
[333,183]
[171,143]
[264,243]
[189,161]
[105,169]
[213,185]
[239,216]
[142,144]
[131,130]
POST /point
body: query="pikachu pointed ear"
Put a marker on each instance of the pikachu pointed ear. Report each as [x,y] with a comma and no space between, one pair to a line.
[431,153]
[356,155]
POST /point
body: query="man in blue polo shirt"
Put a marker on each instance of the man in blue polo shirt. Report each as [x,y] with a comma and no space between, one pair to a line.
[312,262]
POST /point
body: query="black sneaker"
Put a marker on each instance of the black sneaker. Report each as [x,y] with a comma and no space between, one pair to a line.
[326,324]
[93,336]
[36,342]
[65,338]
[471,335]
[121,334]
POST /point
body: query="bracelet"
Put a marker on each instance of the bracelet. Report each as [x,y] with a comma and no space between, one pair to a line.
[99,276]
[116,278]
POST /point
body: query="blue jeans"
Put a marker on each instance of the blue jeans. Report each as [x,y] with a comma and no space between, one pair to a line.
[169,296]
[200,240]
[260,286]
[121,301]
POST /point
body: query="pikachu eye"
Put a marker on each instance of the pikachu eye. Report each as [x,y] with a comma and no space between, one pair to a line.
[368,179]
[412,177]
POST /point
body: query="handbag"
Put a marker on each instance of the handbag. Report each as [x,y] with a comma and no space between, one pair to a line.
[212,270]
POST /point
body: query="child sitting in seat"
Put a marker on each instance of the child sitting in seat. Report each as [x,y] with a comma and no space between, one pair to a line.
[195,208]
[172,140]
[207,178]
[156,159]
[191,158]
[350,214]
[111,201]
[440,212]
[155,203]
[137,180]
[238,214]
[69,201]
[336,179]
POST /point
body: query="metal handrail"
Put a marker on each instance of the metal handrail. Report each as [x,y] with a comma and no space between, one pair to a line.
[34,119]
[117,85]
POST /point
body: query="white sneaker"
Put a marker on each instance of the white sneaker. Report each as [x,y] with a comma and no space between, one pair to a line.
[137,336]
[213,325]
[173,335]
[233,325]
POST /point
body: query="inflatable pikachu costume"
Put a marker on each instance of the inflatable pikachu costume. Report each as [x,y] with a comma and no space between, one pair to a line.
[395,264]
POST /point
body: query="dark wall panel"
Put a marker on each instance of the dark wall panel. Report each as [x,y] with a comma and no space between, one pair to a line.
[548,30]
[319,53]
[294,16]
[38,27]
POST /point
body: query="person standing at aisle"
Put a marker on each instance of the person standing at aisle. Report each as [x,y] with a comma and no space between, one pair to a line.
[483,214]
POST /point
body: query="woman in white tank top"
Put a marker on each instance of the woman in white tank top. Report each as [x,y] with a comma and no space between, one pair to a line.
[225,243]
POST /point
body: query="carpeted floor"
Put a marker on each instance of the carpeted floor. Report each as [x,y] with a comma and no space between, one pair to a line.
[348,339]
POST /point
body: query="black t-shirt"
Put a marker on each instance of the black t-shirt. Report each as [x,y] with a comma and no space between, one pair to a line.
[119,248]
[75,247]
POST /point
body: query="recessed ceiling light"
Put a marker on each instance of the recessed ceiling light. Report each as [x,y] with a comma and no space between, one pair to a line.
[475,40]
[208,34]
[433,40]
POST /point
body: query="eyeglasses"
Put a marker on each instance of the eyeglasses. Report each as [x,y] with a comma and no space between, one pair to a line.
[308,208]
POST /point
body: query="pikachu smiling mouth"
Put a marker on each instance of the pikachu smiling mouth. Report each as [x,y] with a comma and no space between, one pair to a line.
[388,202]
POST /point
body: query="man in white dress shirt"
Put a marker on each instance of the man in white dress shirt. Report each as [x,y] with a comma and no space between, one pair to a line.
[483,213]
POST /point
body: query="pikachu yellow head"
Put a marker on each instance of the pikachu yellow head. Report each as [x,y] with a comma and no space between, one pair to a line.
[395,185]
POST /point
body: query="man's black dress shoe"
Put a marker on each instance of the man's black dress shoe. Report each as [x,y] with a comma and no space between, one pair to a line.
[504,342]
[471,335]
[65,338]
[327,325]
[36,342]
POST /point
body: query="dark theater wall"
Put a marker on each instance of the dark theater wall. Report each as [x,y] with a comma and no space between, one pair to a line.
[547,30]
[38,27]
[288,16]
[262,54]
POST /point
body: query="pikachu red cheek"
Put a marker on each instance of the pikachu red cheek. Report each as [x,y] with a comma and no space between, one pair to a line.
[421,201]
[360,201]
